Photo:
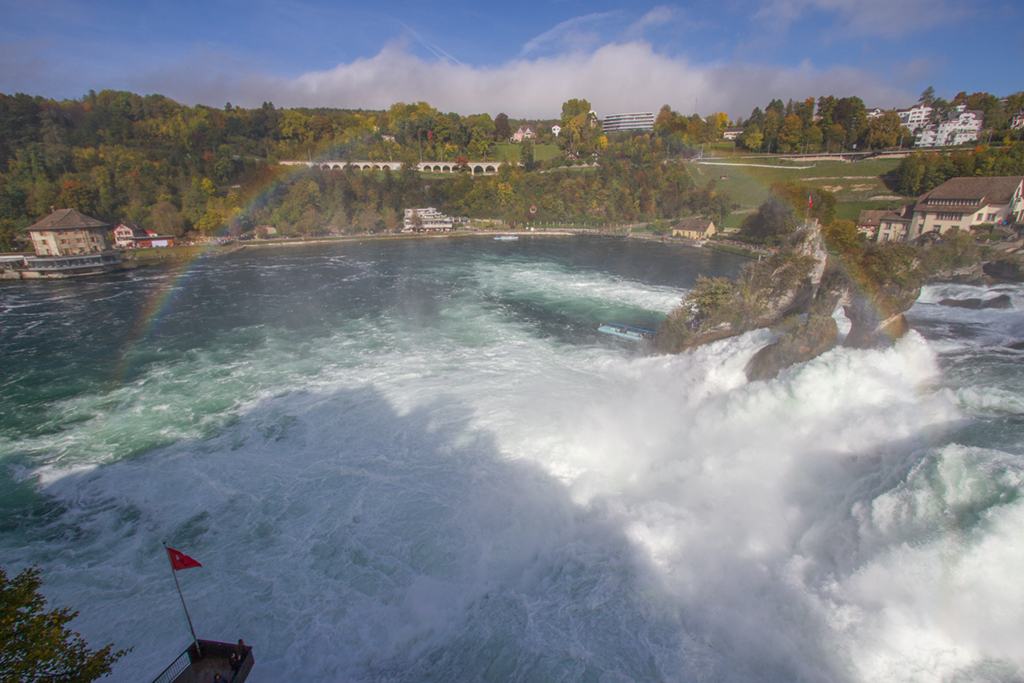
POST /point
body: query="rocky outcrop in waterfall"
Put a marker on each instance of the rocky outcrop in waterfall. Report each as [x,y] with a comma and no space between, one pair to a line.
[794,292]
[1006,269]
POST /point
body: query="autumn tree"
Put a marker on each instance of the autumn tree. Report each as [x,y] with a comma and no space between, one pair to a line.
[77,195]
[841,236]
[165,219]
[579,135]
[751,138]
[36,646]
[885,131]
[790,133]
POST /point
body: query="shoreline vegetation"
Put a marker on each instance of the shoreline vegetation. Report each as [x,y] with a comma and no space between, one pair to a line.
[195,173]
[159,255]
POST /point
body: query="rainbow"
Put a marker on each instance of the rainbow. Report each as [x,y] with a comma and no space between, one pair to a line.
[161,300]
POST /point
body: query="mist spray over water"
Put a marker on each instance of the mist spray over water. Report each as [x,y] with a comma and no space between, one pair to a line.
[411,464]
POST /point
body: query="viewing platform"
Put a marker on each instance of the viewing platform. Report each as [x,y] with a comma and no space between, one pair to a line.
[196,665]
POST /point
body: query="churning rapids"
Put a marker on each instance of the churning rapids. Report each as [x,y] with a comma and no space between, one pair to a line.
[419,461]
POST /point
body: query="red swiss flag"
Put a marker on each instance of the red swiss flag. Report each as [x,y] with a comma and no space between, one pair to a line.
[181,560]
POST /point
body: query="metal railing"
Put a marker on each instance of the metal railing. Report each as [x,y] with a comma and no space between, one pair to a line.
[177,666]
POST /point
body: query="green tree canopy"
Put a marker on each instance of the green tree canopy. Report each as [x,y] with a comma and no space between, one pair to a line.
[770,224]
[502,129]
[574,107]
[785,207]
[36,646]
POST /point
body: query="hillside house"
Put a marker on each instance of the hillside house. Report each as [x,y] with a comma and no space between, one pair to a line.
[133,235]
[966,202]
[884,225]
[427,219]
[524,133]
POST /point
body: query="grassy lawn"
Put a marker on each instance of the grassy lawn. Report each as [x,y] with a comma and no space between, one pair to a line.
[167,253]
[545,152]
[855,184]
[733,220]
[176,253]
[510,151]
[851,210]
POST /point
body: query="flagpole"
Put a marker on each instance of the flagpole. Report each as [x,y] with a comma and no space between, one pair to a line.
[178,586]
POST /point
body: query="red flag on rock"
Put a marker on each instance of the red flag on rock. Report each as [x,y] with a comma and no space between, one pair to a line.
[181,560]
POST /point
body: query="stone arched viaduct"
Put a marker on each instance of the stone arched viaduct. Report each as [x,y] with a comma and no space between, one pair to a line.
[475,167]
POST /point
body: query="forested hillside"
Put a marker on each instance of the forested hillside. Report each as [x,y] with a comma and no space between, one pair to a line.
[919,173]
[199,170]
[179,169]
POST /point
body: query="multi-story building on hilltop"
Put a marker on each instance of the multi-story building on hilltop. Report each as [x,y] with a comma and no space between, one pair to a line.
[636,121]
[958,126]
[915,117]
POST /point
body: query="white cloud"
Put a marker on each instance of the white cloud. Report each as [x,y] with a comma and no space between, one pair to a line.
[578,33]
[659,16]
[615,78]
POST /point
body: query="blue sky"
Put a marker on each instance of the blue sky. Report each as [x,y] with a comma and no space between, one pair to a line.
[522,58]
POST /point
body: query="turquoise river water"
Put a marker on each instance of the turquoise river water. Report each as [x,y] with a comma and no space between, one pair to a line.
[418,460]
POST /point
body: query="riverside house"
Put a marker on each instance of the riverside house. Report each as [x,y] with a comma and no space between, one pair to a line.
[694,229]
[67,243]
[129,234]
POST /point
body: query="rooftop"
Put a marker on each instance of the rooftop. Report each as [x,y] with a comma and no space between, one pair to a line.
[995,190]
[67,219]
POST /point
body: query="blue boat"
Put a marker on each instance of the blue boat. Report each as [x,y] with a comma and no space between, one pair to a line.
[506,238]
[626,332]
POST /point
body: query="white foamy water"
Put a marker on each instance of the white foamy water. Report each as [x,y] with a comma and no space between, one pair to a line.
[427,465]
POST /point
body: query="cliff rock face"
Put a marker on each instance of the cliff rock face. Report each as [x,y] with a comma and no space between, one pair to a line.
[876,318]
[810,340]
[783,285]
[965,275]
[795,291]
[1010,269]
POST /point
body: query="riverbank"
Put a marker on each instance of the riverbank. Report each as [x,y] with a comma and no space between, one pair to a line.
[157,255]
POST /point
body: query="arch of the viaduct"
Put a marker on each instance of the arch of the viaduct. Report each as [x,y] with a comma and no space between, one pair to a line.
[475,167]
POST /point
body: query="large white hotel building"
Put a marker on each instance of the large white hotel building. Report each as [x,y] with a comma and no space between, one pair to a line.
[637,121]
